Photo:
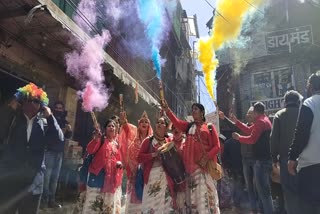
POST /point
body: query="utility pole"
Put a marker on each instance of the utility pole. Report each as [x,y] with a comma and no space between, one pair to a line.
[198,88]
[199,74]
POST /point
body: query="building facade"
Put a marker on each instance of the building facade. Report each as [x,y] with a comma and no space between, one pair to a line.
[283,51]
[35,37]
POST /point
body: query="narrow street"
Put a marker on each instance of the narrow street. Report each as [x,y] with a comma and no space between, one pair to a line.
[185,106]
[67,209]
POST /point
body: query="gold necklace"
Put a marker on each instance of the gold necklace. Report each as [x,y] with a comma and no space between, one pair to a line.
[158,138]
[160,141]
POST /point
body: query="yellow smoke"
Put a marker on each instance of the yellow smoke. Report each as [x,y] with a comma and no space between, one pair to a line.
[225,28]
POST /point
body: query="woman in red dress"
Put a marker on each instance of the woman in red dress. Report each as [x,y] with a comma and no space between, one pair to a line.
[103,191]
[158,186]
[200,146]
[130,139]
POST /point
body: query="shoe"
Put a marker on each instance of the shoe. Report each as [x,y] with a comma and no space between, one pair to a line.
[53,204]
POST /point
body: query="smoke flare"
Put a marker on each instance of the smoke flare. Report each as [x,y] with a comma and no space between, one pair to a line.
[225,28]
[85,66]
[151,13]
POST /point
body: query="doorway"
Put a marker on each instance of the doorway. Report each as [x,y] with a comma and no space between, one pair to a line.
[9,83]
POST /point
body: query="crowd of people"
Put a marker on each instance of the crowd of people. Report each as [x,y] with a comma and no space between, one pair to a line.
[283,149]
[175,172]
[32,141]
[185,188]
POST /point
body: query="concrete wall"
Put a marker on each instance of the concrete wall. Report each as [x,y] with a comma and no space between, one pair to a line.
[300,72]
[23,62]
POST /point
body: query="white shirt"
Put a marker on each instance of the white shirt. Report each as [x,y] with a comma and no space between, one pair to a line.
[29,126]
[310,155]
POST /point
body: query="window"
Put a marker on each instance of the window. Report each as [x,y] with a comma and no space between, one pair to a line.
[262,86]
[271,84]
[283,82]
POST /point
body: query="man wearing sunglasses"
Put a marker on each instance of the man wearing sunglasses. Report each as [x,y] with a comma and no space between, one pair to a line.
[26,125]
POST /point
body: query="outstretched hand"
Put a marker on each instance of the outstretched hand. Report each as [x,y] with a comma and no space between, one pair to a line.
[123,117]
[221,115]
[46,111]
[235,136]
[165,147]
[97,134]
[233,118]
[164,105]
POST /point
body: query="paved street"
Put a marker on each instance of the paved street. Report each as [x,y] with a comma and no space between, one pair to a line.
[68,208]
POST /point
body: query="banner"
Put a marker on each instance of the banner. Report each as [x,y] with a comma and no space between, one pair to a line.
[213,118]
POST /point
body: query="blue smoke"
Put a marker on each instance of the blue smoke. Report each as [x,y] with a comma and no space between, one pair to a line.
[150,12]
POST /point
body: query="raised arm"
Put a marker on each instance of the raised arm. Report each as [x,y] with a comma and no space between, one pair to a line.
[244,128]
[94,145]
[180,124]
[54,132]
[228,122]
[256,132]
[128,133]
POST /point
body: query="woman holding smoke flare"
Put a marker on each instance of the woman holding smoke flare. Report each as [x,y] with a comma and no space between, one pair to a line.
[103,190]
[130,139]
[200,146]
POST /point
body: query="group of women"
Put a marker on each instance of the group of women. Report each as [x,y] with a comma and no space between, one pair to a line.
[131,147]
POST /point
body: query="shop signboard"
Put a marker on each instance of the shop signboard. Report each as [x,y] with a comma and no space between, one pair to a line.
[271,104]
[288,39]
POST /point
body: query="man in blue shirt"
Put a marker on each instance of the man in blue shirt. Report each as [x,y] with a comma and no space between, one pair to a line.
[54,157]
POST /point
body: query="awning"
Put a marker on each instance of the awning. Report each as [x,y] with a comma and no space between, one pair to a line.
[118,71]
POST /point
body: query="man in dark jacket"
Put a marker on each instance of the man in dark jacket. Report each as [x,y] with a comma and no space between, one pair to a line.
[259,136]
[24,133]
[283,128]
[54,157]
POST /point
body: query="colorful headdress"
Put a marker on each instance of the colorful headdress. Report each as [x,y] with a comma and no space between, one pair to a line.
[144,116]
[31,90]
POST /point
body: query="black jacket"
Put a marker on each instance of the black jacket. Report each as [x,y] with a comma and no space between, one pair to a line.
[283,127]
[19,153]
